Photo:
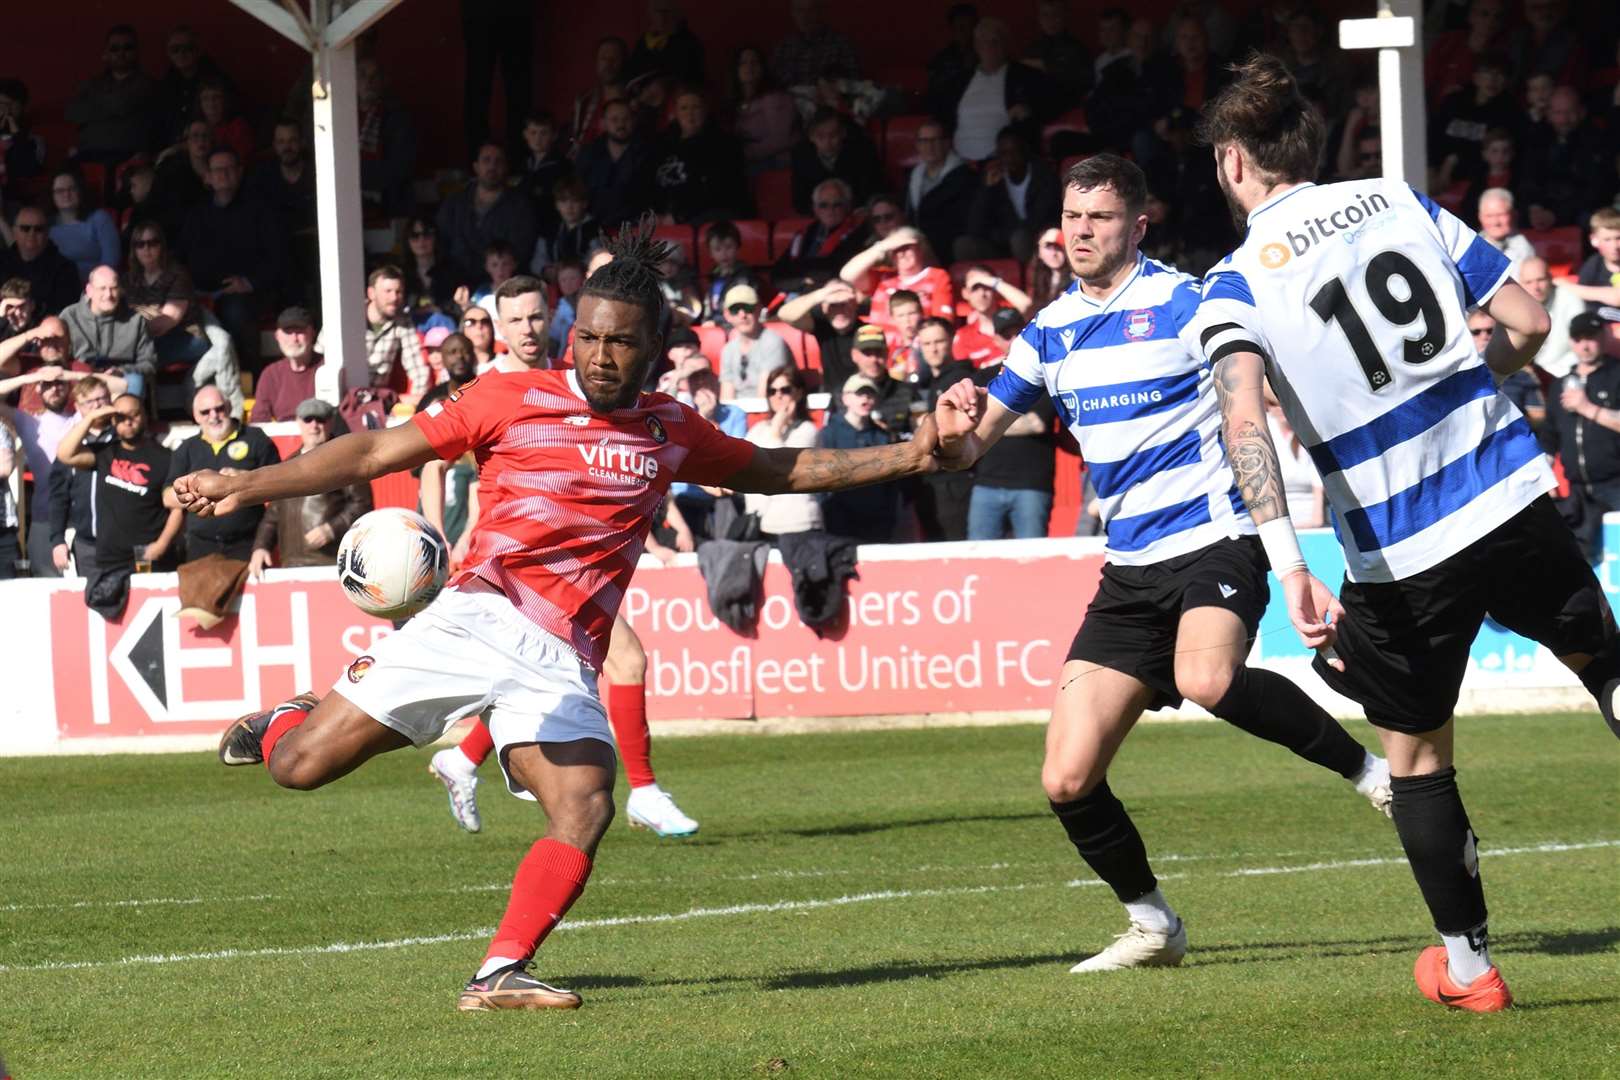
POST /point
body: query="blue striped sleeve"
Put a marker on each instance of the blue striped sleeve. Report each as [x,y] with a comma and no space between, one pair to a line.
[1480,266]
[1228,285]
[1015,391]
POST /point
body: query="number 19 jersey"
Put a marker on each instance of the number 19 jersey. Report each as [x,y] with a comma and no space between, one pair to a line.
[1357,294]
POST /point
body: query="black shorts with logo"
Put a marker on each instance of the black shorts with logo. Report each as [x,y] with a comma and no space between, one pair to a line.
[1405,643]
[1130,625]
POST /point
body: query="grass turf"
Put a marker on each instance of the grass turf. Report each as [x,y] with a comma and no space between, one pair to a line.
[876,904]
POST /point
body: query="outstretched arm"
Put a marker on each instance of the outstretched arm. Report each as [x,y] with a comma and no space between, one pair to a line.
[776,470]
[1240,389]
[346,460]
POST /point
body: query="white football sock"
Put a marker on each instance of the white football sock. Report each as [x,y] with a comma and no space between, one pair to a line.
[1152,911]
[1374,772]
[494,964]
[1465,960]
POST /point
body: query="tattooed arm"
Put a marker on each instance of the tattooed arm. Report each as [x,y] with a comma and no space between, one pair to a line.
[774,471]
[1240,388]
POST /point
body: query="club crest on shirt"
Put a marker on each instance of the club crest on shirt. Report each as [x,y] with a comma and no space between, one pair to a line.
[237,450]
[358,669]
[1139,324]
[655,428]
[455,395]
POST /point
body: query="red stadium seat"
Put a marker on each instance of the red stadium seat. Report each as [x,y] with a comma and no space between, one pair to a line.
[756,244]
[1073,121]
[912,78]
[773,194]
[1069,162]
[783,230]
[711,339]
[681,237]
[1561,245]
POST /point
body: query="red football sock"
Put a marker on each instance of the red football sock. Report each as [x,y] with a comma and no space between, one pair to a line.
[478,743]
[627,712]
[289,719]
[548,881]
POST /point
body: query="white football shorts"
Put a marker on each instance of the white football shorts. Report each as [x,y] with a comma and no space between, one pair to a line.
[469,652]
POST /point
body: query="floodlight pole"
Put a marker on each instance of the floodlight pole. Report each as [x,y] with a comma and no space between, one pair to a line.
[1402,115]
[328,33]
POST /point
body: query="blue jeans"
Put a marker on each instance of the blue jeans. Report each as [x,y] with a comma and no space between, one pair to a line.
[991,510]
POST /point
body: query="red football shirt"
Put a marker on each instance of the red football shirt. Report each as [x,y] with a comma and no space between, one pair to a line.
[567,495]
[975,346]
[933,287]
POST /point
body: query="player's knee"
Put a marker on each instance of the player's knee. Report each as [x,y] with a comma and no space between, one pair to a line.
[582,819]
[1066,783]
[625,664]
[1205,685]
[297,771]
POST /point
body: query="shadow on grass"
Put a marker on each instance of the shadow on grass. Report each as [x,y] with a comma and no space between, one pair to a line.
[1546,942]
[901,971]
[863,828]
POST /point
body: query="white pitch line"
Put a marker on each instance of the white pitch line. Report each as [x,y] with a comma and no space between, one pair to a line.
[734,909]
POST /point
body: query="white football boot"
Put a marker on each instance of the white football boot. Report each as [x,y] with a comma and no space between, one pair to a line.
[1139,947]
[650,807]
[462,783]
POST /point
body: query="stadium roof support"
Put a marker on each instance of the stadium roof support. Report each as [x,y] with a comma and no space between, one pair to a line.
[328,32]
[1397,34]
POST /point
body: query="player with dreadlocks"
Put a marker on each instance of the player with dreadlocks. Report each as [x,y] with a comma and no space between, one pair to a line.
[572,466]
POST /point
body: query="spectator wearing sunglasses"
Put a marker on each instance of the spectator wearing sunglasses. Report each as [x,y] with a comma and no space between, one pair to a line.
[430,282]
[52,278]
[479,329]
[822,248]
[221,443]
[751,348]
[905,252]
[117,110]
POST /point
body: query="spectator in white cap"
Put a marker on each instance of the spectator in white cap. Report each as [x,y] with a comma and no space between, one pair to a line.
[751,349]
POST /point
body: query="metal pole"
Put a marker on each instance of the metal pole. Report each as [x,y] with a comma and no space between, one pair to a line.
[337,203]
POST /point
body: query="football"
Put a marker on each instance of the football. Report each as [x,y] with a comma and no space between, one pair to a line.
[392,563]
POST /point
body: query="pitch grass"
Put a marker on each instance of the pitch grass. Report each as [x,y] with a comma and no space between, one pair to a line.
[956,967]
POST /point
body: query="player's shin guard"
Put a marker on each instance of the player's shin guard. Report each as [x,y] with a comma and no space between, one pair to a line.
[548,881]
[1440,845]
[1271,707]
[1106,838]
[477,743]
[627,713]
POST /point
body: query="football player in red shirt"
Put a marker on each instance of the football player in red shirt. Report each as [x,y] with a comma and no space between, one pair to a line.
[572,466]
[522,326]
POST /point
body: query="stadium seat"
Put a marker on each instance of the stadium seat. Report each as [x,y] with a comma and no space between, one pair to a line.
[1069,162]
[681,237]
[1562,245]
[94,175]
[711,339]
[1067,134]
[756,244]
[783,230]
[773,194]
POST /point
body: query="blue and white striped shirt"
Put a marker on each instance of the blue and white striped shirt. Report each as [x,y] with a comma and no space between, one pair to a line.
[1130,384]
[1357,294]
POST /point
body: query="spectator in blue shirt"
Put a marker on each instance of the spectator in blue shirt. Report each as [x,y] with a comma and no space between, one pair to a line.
[692,507]
[867,514]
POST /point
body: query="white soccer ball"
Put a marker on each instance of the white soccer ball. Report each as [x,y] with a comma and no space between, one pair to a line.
[392,563]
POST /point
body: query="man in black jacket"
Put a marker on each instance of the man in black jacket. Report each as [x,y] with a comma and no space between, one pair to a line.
[235,248]
[223,443]
[484,211]
[698,170]
[1018,200]
[52,277]
[1586,415]
[72,492]
[940,189]
[833,148]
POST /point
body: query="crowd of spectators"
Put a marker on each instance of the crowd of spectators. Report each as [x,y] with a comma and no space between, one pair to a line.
[841,232]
